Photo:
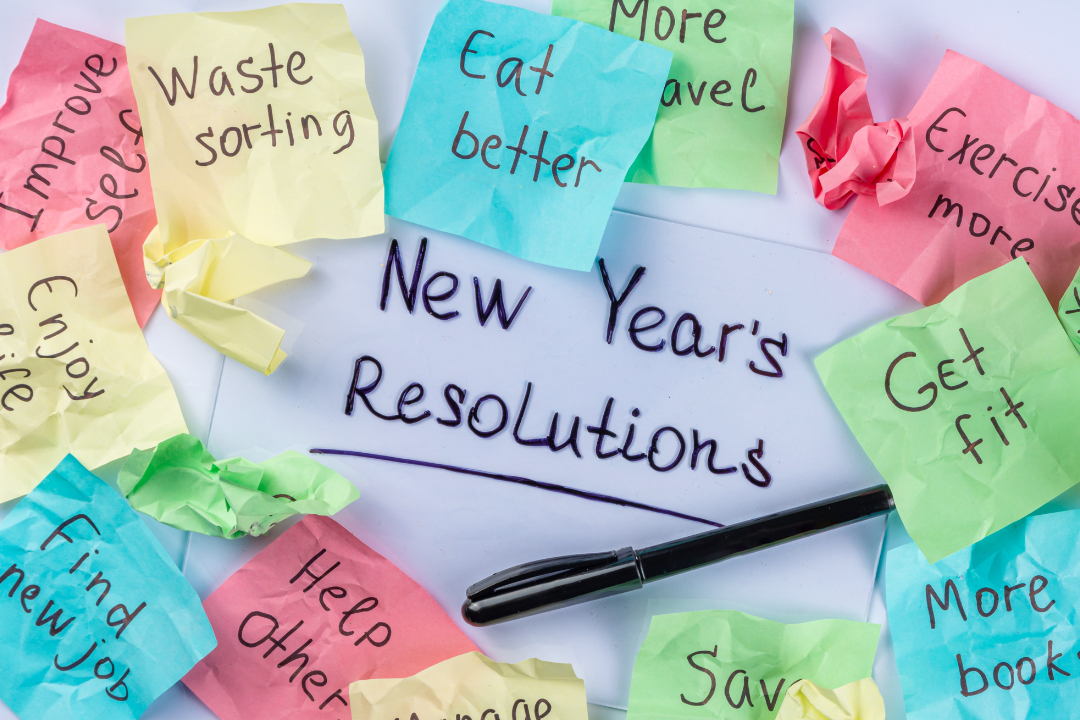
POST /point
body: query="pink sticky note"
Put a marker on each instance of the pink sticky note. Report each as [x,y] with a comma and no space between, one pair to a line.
[998,172]
[846,151]
[71,151]
[313,612]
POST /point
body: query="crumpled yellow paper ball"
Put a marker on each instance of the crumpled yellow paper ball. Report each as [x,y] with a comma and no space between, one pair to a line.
[860,700]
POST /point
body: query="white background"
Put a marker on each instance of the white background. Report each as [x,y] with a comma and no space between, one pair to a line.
[448,531]
[1031,43]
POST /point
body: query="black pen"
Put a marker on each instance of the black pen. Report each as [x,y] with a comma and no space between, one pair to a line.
[544,585]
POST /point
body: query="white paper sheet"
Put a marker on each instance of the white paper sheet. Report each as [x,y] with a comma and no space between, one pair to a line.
[449,530]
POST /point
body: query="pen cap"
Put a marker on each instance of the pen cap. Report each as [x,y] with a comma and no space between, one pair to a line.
[567,581]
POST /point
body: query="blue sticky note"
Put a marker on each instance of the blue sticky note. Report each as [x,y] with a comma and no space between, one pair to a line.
[990,631]
[95,619]
[519,129]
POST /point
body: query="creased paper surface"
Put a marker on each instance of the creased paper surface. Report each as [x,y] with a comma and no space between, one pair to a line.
[721,117]
[75,373]
[1069,311]
[846,152]
[202,278]
[520,138]
[992,630]
[859,700]
[967,408]
[726,664]
[112,624]
[319,590]
[474,686]
[180,484]
[308,163]
[261,133]
[73,151]
[998,170]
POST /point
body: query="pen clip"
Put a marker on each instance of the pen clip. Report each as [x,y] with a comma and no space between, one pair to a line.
[538,571]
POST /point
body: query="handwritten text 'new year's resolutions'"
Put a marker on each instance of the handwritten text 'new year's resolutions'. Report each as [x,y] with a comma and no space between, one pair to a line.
[951,378]
[512,75]
[233,139]
[1023,597]
[648,331]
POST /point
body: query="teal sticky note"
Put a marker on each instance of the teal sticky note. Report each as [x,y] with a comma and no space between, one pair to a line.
[519,129]
[95,619]
[990,631]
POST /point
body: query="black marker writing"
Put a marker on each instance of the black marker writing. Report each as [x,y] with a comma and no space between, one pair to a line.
[689,24]
[70,537]
[260,629]
[687,336]
[66,126]
[904,396]
[490,416]
[737,688]
[476,64]
[56,344]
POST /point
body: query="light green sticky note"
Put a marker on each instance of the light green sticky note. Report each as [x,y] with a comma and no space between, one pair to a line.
[968,408]
[721,118]
[726,664]
[1069,310]
[180,484]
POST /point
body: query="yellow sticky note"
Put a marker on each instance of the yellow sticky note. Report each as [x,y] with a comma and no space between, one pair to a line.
[203,277]
[860,700]
[75,373]
[260,132]
[474,685]
[257,122]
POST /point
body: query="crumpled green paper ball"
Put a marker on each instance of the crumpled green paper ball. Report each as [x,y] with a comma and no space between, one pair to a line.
[180,484]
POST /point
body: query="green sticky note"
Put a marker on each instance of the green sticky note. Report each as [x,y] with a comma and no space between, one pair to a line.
[967,408]
[726,664]
[180,484]
[1069,311]
[721,117]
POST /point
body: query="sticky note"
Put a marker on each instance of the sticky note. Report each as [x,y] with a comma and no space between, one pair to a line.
[990,631]
[202,278]
[721,116]
[550,342]
[313,612]
[846,152]
[726,664]
[967,408]
[474,686]
[510,135]
[95,618]
[74,153]
[259,123]
[180,484]
[260,133]
[75,373]
[1069,310]
[859,700]
[990,187]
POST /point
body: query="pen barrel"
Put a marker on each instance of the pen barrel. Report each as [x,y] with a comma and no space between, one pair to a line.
[618,577]
[706,548]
